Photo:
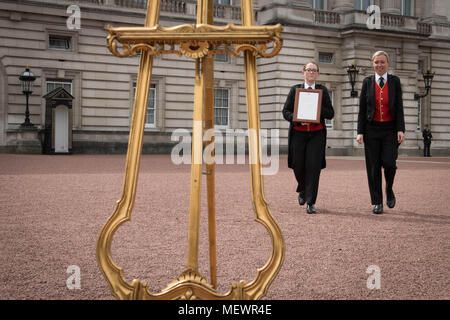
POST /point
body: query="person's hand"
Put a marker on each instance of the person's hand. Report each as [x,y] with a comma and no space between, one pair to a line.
[400,137]
[359,138]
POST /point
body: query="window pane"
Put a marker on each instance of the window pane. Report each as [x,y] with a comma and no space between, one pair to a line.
[59,42]
[407,7]
[365,4]
[325,57]
[224,2]
[320,4]
[151,106]
[221,102]
[420,66]
[221,57]
[68,87]
[52,85]
[225,102]
[150,119]
[317,4]
[362,4]
[151,103]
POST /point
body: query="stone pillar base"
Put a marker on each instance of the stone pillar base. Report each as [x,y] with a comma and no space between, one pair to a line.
[23,140]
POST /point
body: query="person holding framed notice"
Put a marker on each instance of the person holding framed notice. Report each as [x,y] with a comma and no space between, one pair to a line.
[381,127]
[307,106]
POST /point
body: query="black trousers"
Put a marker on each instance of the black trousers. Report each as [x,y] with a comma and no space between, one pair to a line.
[308,149]
[381,150]
[426,149]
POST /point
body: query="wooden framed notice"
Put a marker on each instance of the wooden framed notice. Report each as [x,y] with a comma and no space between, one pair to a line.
[307,105]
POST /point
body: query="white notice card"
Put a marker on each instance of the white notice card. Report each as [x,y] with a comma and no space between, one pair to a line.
[307,108]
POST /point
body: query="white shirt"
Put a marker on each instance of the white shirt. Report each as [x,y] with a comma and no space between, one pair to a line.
[307,86]
[377,77]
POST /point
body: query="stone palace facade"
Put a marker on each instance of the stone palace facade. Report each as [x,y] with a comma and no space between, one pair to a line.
[336,33]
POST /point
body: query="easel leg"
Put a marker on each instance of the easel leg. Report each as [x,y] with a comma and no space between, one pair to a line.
[208,69]
[196,169]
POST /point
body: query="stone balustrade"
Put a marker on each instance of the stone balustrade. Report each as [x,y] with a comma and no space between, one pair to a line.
[227,12]
[392,21]
[424,28]
[327,17]
[174,6]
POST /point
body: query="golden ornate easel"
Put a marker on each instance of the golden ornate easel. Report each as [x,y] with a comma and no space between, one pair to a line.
[200,41]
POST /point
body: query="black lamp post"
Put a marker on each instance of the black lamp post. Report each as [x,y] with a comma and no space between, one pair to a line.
[428,79]
[352,72]
[27,78]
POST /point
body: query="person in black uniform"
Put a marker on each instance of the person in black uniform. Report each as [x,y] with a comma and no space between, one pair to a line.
[381,127]
[307,141]
[427,136]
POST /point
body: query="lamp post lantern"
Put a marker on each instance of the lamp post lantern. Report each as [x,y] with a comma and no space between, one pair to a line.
[427,79]
[27,78]
[352,72]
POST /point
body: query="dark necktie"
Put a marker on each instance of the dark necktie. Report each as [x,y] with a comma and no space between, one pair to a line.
[309,88]
[381,82]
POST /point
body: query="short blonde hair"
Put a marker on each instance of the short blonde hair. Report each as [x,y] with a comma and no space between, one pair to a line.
[381,53]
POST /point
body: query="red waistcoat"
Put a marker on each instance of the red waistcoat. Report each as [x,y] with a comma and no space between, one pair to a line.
[382,110]
[309,127]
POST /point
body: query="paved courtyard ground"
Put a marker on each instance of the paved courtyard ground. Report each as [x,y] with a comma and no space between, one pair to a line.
[52,209]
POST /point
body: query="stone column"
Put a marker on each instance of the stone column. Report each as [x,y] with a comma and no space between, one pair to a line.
[434,10]
[343,5]
[391,6]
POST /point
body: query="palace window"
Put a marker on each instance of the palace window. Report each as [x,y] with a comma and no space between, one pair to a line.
[57,42]
[53,84]
[221,107]
[223,2]
[318,4]
[151,105]
[138,4]
[362,4]
[407,8]
[220,57]
[326,57]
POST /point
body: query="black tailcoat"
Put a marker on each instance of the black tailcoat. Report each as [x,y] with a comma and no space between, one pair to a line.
[367,103]
[327,112]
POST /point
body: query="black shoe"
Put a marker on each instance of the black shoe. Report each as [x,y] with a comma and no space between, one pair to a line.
[310,208]
[378,209]
[301,200]
[390,199]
